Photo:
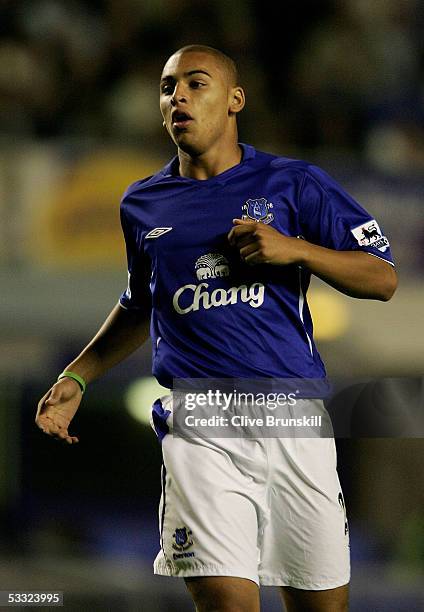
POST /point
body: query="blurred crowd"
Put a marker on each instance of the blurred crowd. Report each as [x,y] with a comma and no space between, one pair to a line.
[319,74]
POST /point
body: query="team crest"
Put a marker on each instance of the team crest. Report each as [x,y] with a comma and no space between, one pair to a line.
[258,209]
[369,234]
[182,539]
[211,265]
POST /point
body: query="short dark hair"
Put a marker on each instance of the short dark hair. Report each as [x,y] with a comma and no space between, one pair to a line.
[228,63]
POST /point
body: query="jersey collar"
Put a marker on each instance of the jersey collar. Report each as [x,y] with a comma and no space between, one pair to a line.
[171,169]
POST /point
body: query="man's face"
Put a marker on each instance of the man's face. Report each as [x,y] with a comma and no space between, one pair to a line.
[195,95]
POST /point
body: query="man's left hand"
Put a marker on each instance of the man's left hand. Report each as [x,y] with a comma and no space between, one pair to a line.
[262,244]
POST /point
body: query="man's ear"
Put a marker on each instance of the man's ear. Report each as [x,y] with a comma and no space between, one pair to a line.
[237,100]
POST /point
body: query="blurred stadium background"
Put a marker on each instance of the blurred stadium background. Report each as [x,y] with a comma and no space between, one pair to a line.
[338,82]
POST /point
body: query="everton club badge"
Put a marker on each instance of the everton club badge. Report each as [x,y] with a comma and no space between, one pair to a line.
[258,209]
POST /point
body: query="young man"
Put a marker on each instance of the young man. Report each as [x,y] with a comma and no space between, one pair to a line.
[227,238]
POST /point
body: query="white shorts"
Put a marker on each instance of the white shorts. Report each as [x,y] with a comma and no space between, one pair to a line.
[267,509]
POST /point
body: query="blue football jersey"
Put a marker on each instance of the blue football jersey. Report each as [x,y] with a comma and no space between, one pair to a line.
[212,315]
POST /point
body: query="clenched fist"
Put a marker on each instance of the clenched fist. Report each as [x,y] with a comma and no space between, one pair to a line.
[262,244]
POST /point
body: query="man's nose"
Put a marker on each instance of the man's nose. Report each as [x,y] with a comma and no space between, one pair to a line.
[179,95]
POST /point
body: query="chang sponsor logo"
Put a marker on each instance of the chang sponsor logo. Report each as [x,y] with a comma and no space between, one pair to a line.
[211,265]
[190,297]
[198,297]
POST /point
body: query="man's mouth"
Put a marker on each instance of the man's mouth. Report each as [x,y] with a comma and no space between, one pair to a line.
[181,120]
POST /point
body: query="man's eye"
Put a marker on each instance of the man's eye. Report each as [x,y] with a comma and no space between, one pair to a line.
[167,90]
[196,84]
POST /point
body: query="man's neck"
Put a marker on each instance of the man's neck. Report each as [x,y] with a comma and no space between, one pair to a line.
[211,163]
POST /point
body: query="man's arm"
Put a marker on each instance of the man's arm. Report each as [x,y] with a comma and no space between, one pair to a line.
[119,336]
[354,273]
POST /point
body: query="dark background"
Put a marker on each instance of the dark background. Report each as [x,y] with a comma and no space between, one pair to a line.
[337,82]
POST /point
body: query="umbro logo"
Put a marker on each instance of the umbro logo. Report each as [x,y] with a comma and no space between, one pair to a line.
[158,231]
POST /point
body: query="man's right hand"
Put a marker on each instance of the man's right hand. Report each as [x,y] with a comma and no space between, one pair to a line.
[57,408]
[123,332]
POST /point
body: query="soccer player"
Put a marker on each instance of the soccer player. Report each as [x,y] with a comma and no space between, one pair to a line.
[221,244]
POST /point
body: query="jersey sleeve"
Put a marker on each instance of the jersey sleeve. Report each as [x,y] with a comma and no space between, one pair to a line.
[137,294]
[330,217]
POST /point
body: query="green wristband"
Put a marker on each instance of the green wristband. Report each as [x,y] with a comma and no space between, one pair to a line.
[76,377]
